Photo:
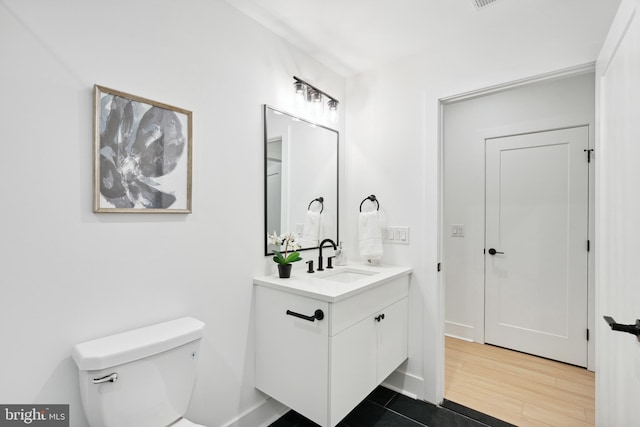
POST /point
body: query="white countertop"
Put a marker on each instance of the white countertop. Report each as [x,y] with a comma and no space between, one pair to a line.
[319,285]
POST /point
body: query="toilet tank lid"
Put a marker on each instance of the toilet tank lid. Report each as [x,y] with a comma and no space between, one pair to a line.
[132,345]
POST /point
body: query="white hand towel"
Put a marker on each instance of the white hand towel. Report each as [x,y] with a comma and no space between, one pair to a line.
[370,236]
[311,230]
[327,229]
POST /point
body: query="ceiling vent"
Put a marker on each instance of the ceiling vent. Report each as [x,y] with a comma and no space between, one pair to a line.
[479,4]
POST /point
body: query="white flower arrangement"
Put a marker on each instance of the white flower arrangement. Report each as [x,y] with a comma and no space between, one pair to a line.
[288,240]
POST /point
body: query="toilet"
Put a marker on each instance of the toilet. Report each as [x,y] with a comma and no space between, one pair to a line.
[140,378]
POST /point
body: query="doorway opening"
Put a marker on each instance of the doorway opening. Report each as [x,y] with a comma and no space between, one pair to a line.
[492,173]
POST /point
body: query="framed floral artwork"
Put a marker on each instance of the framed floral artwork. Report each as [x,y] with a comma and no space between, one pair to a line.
[142,155]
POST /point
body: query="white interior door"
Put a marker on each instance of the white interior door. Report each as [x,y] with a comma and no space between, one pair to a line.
[537,222]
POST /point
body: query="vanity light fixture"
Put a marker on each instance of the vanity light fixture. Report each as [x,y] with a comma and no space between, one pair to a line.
[313,95]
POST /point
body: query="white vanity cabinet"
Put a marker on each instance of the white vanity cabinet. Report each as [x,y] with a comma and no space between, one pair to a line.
[325,368]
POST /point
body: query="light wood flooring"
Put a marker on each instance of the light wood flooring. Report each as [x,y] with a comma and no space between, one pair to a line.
[518,388]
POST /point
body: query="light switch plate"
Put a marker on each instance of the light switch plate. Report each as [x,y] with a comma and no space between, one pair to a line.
[457,230]
[397,234]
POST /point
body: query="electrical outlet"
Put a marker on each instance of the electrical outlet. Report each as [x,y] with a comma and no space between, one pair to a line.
[395,234]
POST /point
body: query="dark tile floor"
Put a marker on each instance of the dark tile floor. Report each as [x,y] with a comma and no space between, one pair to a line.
[386,408]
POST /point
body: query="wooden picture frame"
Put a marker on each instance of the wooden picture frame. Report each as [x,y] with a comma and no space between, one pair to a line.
[142,154]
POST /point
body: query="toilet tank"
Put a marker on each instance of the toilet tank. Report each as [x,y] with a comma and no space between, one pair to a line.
[154,369]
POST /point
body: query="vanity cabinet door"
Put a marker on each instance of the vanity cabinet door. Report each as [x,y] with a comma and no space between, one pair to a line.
[392,338]
[363,355]
[353,367]
[292,354]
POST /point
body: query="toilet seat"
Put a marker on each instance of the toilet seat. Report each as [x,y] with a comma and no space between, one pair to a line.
[183,422]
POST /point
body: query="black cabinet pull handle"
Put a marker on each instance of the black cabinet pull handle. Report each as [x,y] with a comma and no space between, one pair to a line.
[319,315]
[493,252]
[631,329]
[379,317]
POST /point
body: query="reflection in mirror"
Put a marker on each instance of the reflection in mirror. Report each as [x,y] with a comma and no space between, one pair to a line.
[301,179]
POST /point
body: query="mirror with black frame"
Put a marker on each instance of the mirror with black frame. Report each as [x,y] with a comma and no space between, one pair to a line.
[301,179]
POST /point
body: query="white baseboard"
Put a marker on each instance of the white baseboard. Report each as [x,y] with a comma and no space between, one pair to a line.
[261,415]
[458,330]
[405,383]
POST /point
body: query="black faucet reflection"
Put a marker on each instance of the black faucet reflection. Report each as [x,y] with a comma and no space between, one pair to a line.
[320,255]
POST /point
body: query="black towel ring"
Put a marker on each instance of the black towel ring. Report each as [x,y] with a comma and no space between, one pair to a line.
[371,198]
[319,200]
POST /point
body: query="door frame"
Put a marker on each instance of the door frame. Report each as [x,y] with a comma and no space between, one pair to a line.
[505,130]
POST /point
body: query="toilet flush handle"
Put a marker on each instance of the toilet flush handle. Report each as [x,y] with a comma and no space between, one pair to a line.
[111,378]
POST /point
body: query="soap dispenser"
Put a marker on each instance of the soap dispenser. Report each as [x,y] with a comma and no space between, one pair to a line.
[341,255]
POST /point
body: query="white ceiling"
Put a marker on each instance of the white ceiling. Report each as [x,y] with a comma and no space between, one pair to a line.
[353,36]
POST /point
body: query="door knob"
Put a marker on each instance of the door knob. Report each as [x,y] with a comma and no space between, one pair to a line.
[493,252]
[631,329]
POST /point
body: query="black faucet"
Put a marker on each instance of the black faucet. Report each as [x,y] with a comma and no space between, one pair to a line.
[320,257]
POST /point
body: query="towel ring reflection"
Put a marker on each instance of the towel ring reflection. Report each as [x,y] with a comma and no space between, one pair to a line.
[319,200]
[371,198]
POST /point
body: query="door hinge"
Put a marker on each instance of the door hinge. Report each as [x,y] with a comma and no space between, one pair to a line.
[589,151]
[587,334]
[439,267]
[588,245]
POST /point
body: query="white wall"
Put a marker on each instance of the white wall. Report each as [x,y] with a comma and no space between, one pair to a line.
[69,275]
[393,152]
[559,103]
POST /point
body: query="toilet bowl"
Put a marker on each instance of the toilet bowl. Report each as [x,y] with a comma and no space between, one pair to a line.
[140,378]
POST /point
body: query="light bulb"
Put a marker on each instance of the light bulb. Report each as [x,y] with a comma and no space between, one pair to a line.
[333,110]
[300,87]
[317,107]
[301,96]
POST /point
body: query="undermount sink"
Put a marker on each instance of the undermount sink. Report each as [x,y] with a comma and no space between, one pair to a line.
[347,276]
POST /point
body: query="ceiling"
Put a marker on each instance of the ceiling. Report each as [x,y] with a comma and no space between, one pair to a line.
[354,36]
